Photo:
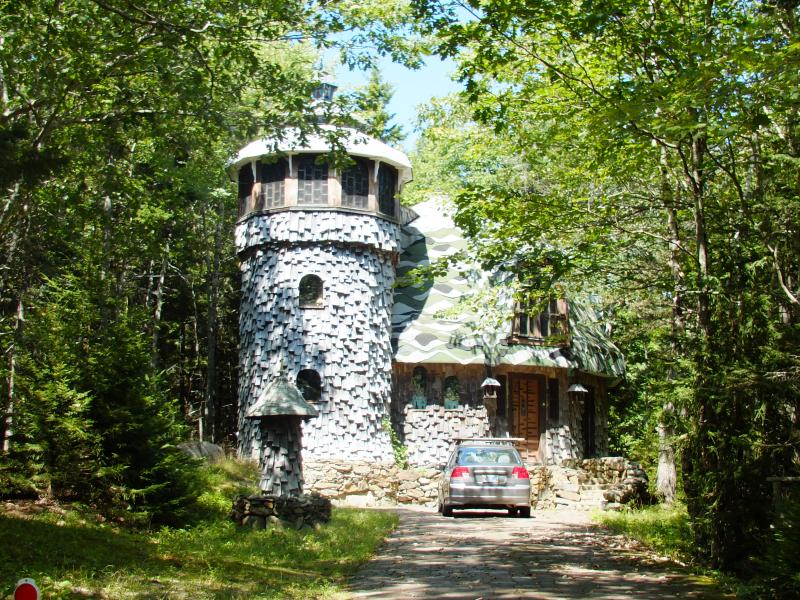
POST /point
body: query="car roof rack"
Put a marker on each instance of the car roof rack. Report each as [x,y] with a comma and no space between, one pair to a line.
[488,441]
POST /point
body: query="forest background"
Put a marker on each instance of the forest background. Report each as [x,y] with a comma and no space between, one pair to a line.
[643,154]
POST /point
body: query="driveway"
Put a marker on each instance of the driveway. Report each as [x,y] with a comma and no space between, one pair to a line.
[486,555]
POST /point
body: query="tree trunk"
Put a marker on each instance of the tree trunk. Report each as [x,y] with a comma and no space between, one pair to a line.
[666,473]
[210,404]
[8,420]
[158,294]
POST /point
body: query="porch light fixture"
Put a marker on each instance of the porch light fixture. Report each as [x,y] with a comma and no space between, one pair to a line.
[577,388]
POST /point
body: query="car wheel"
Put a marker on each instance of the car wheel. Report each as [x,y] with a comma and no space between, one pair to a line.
[512,511]
[524,512]
[447,511]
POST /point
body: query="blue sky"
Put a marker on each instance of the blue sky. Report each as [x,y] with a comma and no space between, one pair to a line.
[411,89]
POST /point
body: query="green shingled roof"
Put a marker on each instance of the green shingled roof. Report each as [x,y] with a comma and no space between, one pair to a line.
[436,323]
[281,398]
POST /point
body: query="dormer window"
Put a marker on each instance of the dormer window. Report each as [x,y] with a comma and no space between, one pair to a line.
[387,185]
[272,176]
[355,185]
[531,327]
[312,180]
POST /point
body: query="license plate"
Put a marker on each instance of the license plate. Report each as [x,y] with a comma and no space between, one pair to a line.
[492,479]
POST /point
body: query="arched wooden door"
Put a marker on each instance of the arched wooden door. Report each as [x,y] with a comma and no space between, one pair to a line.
[525,398]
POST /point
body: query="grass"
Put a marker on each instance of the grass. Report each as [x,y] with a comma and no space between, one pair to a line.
[72,555]
[665,529]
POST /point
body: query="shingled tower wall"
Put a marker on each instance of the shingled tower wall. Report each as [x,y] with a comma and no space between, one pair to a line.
[346,339]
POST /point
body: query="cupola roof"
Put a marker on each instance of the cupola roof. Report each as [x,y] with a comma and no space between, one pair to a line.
[354,142]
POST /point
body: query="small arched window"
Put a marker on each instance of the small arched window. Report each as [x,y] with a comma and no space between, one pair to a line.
[312,180]
[311,289]
[387,184]
[310,385]
[245,188]
[452,392]
[355,185]
[272,186]
[419,379]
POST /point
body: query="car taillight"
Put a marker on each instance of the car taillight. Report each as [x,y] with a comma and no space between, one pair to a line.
[459,472]
[520,473]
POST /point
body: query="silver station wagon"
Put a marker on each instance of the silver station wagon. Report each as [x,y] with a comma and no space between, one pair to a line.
[485,473]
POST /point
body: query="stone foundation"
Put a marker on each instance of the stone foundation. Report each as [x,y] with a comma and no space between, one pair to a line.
[259,511]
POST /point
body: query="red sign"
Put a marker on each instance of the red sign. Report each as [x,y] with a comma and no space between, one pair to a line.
[26,590]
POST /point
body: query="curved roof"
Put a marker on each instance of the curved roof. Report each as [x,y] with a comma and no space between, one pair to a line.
[431,324]
[355,143]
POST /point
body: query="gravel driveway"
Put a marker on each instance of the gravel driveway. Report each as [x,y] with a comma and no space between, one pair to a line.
[485,555]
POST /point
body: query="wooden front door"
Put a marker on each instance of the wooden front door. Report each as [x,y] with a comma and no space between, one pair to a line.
[525,413]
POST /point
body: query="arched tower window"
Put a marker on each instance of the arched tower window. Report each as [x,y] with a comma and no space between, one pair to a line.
[355,185]
[310,385]
[245,188]
[272,183]
[387,183]
[311,288]
[312,181]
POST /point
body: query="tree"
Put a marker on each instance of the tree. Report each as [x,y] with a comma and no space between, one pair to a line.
[371,105]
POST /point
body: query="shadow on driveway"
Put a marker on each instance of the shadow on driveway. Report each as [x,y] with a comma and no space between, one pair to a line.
[488,555]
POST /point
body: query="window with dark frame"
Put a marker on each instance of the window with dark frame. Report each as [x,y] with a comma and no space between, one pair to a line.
[273,176]
[387,184]
[552,400]
[309,383]
[312,180]
[355,185]
[552,321]
[311,292]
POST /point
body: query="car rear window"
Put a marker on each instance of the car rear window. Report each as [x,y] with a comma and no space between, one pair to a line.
[487,456]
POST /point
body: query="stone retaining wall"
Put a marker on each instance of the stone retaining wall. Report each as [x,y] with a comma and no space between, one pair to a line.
[371,484]
[584,484]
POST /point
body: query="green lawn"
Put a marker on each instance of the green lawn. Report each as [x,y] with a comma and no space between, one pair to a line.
[73,556]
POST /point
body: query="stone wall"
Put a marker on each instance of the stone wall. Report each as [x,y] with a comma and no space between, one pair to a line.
[606,483]
[260,511]
[372,484]
[580,484]
[347,339]
[428,433]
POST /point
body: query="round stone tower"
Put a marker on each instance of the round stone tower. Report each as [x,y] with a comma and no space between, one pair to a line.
[318,248]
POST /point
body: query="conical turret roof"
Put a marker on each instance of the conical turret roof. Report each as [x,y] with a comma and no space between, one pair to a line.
[281,398]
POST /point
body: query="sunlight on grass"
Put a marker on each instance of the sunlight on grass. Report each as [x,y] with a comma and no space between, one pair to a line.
[664,529]
[73,556]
